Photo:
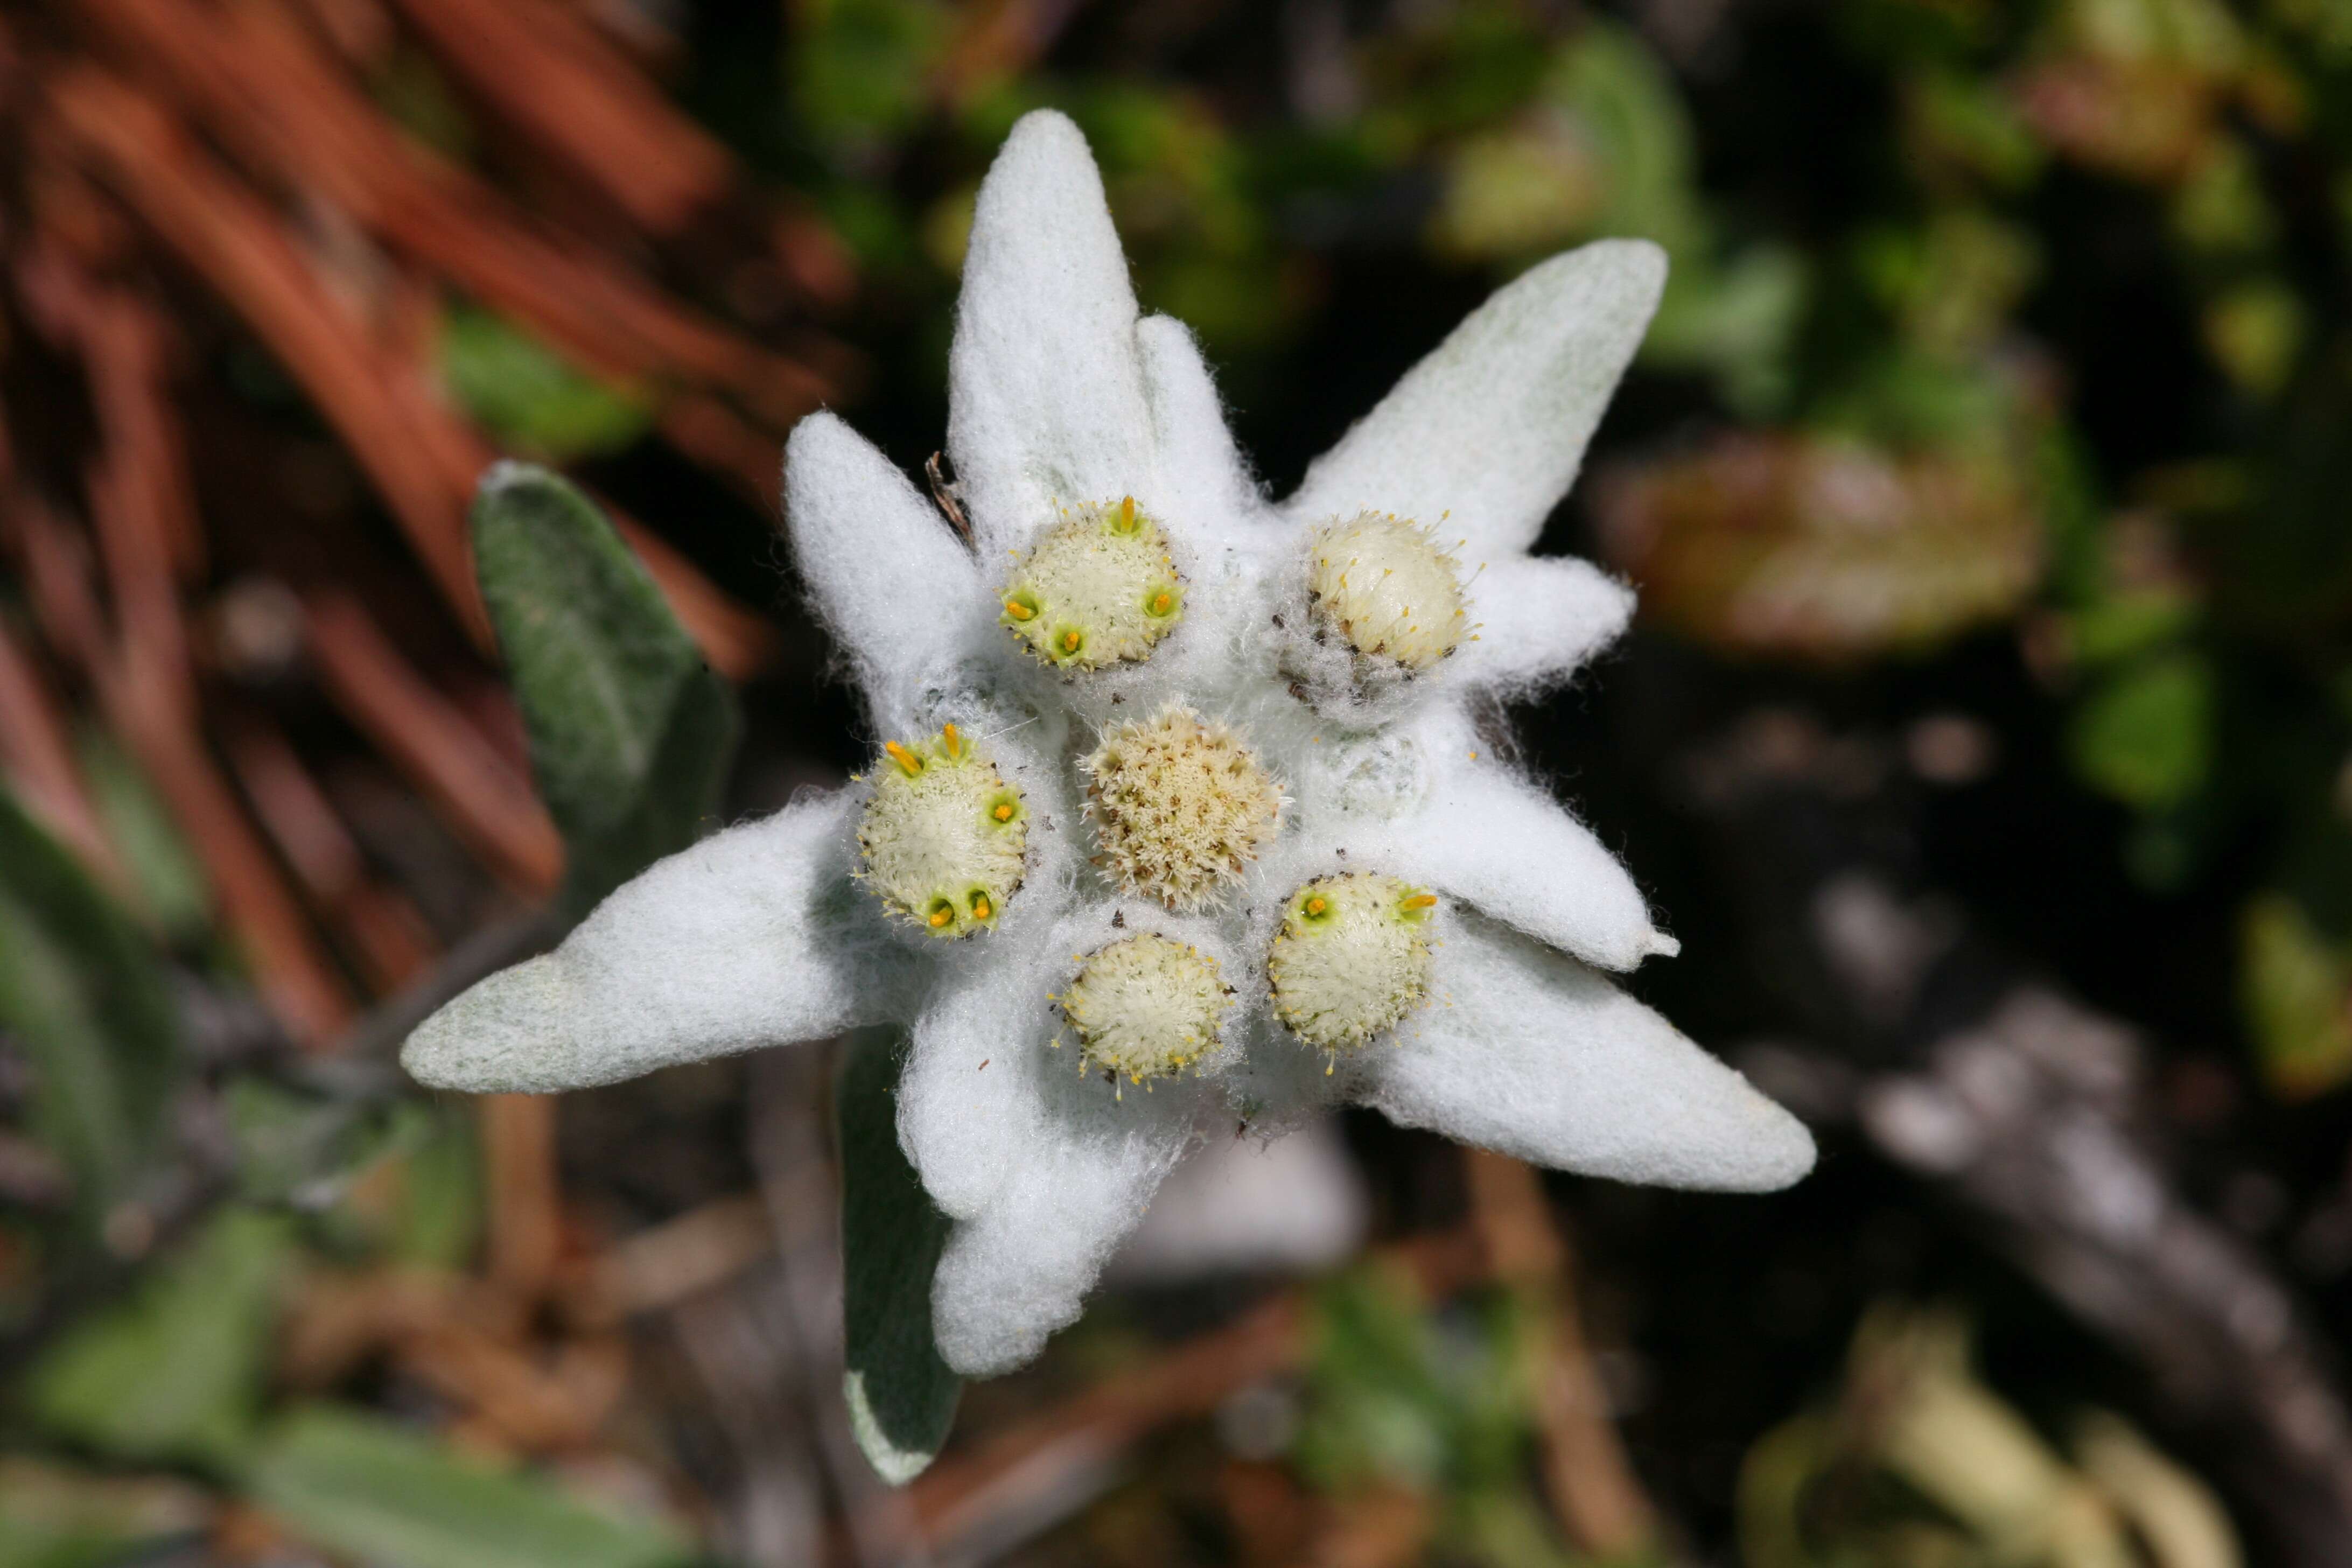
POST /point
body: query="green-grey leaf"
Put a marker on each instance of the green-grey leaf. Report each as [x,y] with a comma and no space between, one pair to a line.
[365,1489]
[177,1371]
[630,731]
[902,1397]
[85,995]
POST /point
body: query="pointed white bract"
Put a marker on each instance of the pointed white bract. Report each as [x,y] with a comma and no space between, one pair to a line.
[1537,620]
[1529,1052]
[1339,698]
[1489,430]
[754,936]
[1202,476]
[897,591]
[1501,845]
[1047,387]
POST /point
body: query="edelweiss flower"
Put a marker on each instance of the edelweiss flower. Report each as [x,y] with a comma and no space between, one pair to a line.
[1183,823]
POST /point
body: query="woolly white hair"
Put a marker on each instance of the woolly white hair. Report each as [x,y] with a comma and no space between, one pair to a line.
[1061,396]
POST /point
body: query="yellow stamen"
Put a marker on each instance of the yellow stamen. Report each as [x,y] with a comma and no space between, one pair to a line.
[1017,610]
[980,907]
[951,741]
[1072,641]
[1420,901]
[1126,514]
[1003,812]
[1162,603]
[941,916]
[1316,906]
[908,764]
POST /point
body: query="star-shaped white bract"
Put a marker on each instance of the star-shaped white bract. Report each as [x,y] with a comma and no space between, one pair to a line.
[1064,398]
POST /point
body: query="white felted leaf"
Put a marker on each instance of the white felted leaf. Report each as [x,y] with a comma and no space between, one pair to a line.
[753,937]
[883,572]
[1538,619]
[1202,480]
[1489,838]
[1022,1270]
[1527,1051]
[1045,399]
[1492,425]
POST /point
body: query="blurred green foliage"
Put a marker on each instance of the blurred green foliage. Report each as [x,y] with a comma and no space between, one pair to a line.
[178,1371]
[87,999]
[364,1488]
[532,398]
[1919,1464]
[1434,1402]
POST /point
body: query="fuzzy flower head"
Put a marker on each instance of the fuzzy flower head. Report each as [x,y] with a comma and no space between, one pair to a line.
[1178,819]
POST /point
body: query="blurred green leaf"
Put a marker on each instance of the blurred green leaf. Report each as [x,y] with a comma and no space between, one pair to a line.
[2255,332]
[89,1001]
[2144,735]
[902,1397]
[304,1149]
[177,1371]
[1625,98]
[1402,1394]
[52,1516]
[170,888]
[630,731]
[438,1221]
[1967,126]
[1736,318]
[2127,625]
[363,1487]
[2297,987]
[2220,206]
[529,395]
[861,69]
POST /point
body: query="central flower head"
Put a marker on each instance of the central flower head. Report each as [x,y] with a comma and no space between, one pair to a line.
[1179,808]
[1096,587]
